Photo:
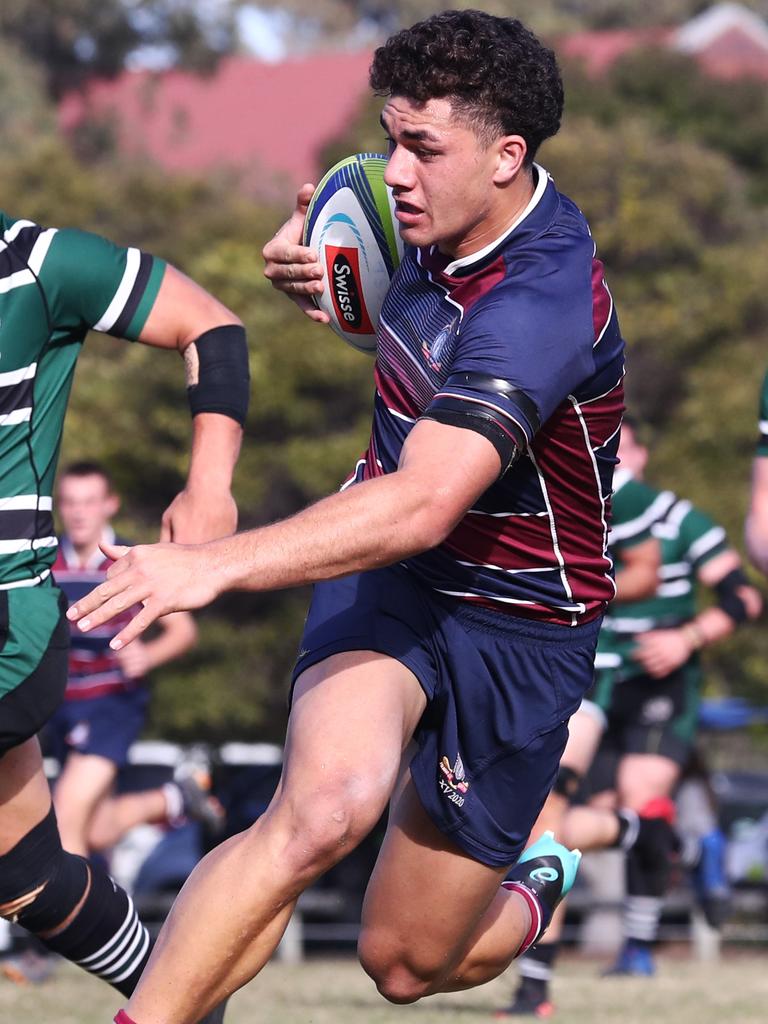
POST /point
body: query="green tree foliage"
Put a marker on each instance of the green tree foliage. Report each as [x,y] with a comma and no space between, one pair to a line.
[73,40]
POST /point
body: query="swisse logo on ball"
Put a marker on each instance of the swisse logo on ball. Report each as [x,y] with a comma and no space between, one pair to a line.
[343,268]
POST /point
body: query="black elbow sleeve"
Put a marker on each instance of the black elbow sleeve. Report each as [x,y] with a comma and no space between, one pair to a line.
[223,378]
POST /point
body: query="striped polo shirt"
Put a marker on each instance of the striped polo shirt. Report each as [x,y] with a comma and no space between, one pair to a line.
[55,285]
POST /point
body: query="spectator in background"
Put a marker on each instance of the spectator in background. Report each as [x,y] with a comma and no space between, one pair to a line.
[757,517]
[646,699]
[107,696]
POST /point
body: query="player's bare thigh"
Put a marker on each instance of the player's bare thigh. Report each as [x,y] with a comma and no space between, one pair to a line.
[351,717]
[424,902]
[25,797]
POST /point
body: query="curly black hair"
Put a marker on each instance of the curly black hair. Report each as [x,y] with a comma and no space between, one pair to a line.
[500,78]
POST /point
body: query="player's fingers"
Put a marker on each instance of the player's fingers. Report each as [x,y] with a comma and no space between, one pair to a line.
[148,614]
[115,593]
[114,551]
[282,254]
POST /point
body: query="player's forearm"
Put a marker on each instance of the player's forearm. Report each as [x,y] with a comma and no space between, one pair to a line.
[216,443]
[708,627]
[756,536]
[367,526]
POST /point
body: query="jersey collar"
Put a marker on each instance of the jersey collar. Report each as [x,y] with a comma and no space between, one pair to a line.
[537,204]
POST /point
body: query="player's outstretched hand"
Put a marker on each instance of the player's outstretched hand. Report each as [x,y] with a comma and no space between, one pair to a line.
[162,577]
[294,268]
[195,517]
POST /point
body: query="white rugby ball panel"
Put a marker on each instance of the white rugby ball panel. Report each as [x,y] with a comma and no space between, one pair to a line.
[351,224]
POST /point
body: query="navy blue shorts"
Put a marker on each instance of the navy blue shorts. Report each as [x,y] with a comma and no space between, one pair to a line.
[105,725]
[500,690]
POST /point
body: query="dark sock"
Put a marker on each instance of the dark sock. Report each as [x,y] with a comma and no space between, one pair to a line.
[535,969]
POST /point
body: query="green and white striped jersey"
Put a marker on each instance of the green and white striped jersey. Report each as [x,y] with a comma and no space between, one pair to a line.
[688,539]
[762,443]
[55,285]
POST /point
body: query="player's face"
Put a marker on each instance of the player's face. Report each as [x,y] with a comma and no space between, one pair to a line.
[447,184]
[85,506]
[632,455]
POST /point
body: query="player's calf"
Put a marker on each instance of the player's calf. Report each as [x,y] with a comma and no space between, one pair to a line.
[76,910]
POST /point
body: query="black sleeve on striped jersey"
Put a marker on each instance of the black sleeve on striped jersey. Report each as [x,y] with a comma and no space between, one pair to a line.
[495,385]
[120,325]
[508,440]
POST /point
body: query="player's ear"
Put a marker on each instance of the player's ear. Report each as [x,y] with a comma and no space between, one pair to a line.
[510,154]
[113,505]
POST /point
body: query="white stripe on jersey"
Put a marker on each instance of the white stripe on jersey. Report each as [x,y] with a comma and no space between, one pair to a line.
[705,543]
[124,289]
[32,581]
[17,376]
[12,547]
[40,250]
[655,510]
[10,419]
[674,589]
[26,501]
[36,257]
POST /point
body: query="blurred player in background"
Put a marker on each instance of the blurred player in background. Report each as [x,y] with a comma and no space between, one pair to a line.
[107,695]
[757,516]
[643,712]
[460,578]
[56,285]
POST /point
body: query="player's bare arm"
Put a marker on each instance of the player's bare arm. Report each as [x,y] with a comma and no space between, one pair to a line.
[294,268]
[661,651]
[442,472]
[756,527]
[211,339]
[639,574]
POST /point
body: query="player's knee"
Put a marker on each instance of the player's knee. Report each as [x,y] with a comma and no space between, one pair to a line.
[397,976]
[41,884]
[325,825]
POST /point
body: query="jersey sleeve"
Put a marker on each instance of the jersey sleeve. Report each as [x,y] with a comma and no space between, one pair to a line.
[93,283]
[762,442]
[701,537]
[520,352]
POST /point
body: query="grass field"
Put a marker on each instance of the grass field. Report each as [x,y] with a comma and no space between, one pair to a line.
[337,992]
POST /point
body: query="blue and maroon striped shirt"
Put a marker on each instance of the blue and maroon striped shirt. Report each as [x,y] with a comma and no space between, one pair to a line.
[524,334]
[94,668]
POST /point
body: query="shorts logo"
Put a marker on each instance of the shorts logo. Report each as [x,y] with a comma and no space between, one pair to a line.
[79,735]
[658,710]
[454,781]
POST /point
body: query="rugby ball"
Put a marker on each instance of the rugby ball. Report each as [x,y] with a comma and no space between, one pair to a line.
[351,224]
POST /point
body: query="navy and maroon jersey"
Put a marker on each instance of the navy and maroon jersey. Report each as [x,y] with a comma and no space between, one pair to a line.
[94,670]
[521,342]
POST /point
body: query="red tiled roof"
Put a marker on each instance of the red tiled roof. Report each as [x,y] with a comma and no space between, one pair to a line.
[599,50]
[269,119]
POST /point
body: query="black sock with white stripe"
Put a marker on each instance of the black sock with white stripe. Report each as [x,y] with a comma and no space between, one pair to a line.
[105,937]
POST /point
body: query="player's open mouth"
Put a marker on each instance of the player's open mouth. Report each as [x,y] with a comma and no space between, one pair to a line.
[406,213]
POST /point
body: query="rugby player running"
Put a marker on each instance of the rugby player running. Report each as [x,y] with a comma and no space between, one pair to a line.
[460,580]
[55,285]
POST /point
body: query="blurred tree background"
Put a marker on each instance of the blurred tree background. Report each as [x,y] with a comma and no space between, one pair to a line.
[668,165]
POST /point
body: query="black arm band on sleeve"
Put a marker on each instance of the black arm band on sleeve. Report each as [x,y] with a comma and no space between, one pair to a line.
[453,412]
[728,598]
[223,379]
